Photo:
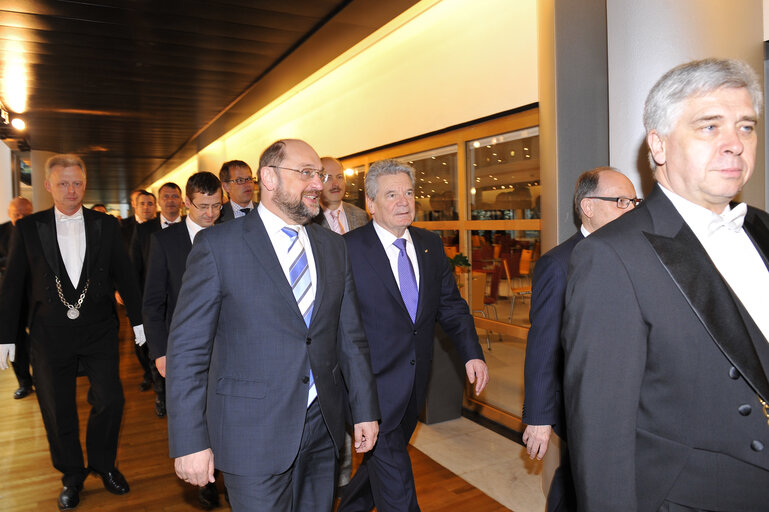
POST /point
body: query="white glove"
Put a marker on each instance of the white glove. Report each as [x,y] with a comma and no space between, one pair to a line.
[141,339]
[7,353]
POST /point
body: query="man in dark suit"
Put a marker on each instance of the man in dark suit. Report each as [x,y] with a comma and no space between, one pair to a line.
[66,262]
[256,380]
[170,201]
[600,196]
[168,259]
[238,181]
[18,208]
[336,214]
[666,326]
[405,285]
[144,209]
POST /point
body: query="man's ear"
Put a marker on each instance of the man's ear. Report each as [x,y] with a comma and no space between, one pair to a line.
[269,178]
[370,206]
[656,147]
[586,205]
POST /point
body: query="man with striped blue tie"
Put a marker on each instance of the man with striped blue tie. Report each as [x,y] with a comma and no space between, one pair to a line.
[264,338]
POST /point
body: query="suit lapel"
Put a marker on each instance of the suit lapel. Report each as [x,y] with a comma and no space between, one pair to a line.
[380,264]
[688,264]
[258,241]
[758,232]
[321,269]
[93,230]
[422,256]
[46,230]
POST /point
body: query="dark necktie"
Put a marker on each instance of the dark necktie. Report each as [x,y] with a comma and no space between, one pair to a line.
[407,279]
[245,211]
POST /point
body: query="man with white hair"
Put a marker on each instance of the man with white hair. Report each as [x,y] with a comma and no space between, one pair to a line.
[666,325]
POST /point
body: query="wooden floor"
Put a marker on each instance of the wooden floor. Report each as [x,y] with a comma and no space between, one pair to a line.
[28,482]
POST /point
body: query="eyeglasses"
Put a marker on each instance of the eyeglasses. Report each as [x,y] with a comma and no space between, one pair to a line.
[213,208]
[241,181]
[306,173]
[622,202]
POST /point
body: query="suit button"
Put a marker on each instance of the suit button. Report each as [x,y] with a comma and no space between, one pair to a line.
[745,409]
[413,362]
[305,380]
[756,446]
[309,340]
[733,373]
[47,287]
[415,332]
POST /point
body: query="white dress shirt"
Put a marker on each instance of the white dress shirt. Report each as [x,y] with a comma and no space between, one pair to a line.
[392,251]
[281,242]
[193,229]
[70,233]
[733,254]
[333,215]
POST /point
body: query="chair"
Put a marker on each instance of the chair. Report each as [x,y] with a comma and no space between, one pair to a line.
[523,273]
[477,296]
[491,299]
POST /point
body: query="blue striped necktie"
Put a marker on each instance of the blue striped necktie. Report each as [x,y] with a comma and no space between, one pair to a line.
[407,279]
[301,286]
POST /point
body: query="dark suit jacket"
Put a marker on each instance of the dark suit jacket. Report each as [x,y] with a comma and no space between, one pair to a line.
[402,350]
[664,369]
[127,228]
[5,241]
[34,262]
[140,247]
[169,249]
[355,217]
[239,352]
[543,366]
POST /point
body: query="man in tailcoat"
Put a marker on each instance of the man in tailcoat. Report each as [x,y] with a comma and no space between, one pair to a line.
[666,326]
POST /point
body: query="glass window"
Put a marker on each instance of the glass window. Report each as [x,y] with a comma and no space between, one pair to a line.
[436,183]
[353,179]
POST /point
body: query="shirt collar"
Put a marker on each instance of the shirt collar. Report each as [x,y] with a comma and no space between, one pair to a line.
[273,223]
[339,209]
[163,220]
[388,238]
[236,207]
[697,217]
[59,215]
[192,228]
[584,231]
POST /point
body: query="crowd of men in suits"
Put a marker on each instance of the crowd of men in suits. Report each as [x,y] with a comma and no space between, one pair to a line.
[274,343]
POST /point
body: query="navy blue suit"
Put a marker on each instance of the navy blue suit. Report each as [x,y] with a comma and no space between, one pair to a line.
[543,367]
[401,357]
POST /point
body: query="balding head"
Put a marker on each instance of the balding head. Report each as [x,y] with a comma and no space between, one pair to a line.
[598,195]
[18,208]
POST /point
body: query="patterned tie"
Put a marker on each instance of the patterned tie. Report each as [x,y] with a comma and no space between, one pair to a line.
[337,222]
[407,279]
[301,285]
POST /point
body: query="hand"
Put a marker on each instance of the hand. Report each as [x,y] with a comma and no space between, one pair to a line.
[196,468]
[536,439]
[119,299]
[365,435]
[141,339]
[7,355]
[160,364]
[478,373]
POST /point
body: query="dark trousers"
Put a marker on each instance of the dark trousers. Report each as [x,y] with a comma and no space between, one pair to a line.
[384,478]
[21,361]
[562,497]
[151,372]
[308,485]
[56,352]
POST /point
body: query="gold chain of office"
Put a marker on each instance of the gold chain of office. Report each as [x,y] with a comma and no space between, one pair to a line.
[72,311]
[766,409]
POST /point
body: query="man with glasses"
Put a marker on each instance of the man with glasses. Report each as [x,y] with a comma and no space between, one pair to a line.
[256,380]
[336,214]
[665,328]
[170,201]
[238,181]
[169,249]
[600,196]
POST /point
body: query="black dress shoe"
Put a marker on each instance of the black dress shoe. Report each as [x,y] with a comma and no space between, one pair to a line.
[160,408]
[69,497]
[113,481]
[145,384]
[208,496]
[22,392]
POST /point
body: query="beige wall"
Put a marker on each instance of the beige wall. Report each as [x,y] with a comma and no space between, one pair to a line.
[441,63]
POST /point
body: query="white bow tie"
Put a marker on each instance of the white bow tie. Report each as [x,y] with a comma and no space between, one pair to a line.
[731,220]
[70,218]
